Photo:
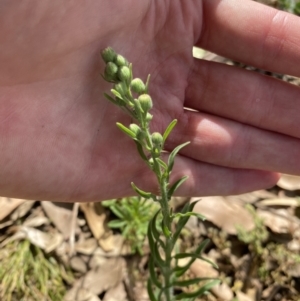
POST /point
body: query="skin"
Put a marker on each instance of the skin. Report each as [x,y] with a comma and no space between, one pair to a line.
[58,139]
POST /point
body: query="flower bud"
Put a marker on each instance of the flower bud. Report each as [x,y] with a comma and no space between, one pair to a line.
[108,54]
[121,88]
[111,69]
[120,60]
[157,140]
[124,74]
[149,117]
[140,135]
[146,102]
[135,128]
[138,86]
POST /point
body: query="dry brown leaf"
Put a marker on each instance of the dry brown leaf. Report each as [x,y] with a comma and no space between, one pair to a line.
[6,224]
[87,246]
[226,214]
[22,210]
[60,215]
[251,197]
[279,221]
[81,294]
[287,202]
[139,292]
[289,182]
[78,264]
[107,242]
[115,245]
[46,241]
[96,218]
[223,292]
[116,293]
[36,221]
[98,280]
[243,297]
[8,205]
[203,269]
[96,261]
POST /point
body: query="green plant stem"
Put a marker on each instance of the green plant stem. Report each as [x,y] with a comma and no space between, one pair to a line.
[167,271]
[168,274]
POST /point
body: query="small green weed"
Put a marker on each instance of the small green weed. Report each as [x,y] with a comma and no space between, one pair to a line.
[256,237]
[134,215]
[292,6]
[27,274]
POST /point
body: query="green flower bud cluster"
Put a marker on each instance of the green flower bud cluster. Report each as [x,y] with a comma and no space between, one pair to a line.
[117,67]
[119,71]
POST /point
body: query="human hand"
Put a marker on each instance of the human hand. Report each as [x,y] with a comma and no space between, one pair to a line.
[58,135]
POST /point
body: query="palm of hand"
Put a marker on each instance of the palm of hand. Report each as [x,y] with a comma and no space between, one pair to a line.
[59,139]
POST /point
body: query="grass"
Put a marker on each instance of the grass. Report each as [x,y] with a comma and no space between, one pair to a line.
[28,274]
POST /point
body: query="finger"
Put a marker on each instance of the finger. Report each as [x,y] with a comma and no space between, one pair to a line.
[207,179]
[244,96]
[252,33]
[227,143]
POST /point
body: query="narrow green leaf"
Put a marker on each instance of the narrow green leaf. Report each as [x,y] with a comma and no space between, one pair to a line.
[116,224]
[173,154]
[176,185]
[126,130]
[152,225]
[116,211]
[140,150]
[111,99]
[159,261]
[160,293]
[147,84]
[191,281]
[194,256]
[200,249]
[188,214]
[153,275]
[163,245]
[162,163]
[108,203]
[142,193]
[150,291]
[188,207]
[150,238]
[179,271]
[192,205]
[125,232]
[200,292]
[116,93]
[125,209]
[154,248]
[131,76]
[169,129]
